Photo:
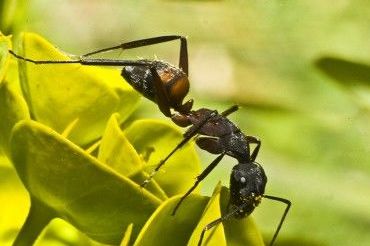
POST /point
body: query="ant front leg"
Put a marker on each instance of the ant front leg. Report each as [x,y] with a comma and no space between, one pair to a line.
[207,228]
[218,221]
[183,60]
[198,180]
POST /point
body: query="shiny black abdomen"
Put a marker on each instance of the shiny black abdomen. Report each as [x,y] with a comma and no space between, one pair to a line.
[142,79]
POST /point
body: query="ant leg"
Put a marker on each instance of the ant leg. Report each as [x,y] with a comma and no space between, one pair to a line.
[198,180]
[232,213]
[191,132]
[162,99]
[210,144]
[183,61]
[218,221]
[86,61]
[252,139]
[208,227]
[288,204]
[161,94]
[230,110]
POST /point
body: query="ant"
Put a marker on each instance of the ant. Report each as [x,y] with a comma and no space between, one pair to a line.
[167,85]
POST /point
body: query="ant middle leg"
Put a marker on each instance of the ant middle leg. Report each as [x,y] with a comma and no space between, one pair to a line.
[189,134]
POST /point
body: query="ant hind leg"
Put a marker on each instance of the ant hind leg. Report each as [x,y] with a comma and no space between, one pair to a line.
[183,60]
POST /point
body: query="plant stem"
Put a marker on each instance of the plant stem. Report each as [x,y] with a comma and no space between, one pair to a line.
[38,217]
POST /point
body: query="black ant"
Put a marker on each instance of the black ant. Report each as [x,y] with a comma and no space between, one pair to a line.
[167,86]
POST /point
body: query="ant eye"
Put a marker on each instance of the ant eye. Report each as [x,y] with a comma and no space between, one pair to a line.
[242,179]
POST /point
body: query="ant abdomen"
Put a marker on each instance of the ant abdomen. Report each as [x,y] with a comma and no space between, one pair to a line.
[173,80]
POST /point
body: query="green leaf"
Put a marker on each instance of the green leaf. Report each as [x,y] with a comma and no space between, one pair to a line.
[5,44]
[178,174]
[164,229]
[77,187]
[346,72]
[58,94]
[14,202]
[216,235]
[193,215]
[230,232]
[126,237]
[38,217]
[12,105]
[12,14]
[239,231]
[13,108]
[118,153]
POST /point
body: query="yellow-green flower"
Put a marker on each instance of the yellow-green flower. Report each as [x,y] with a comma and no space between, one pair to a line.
[61,128]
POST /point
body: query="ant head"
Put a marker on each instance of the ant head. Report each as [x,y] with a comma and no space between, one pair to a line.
[247,186]
[172,80]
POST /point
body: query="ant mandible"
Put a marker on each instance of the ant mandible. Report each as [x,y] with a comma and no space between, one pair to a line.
[167,85]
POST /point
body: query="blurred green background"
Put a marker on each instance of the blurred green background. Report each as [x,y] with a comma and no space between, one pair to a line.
[300,70]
